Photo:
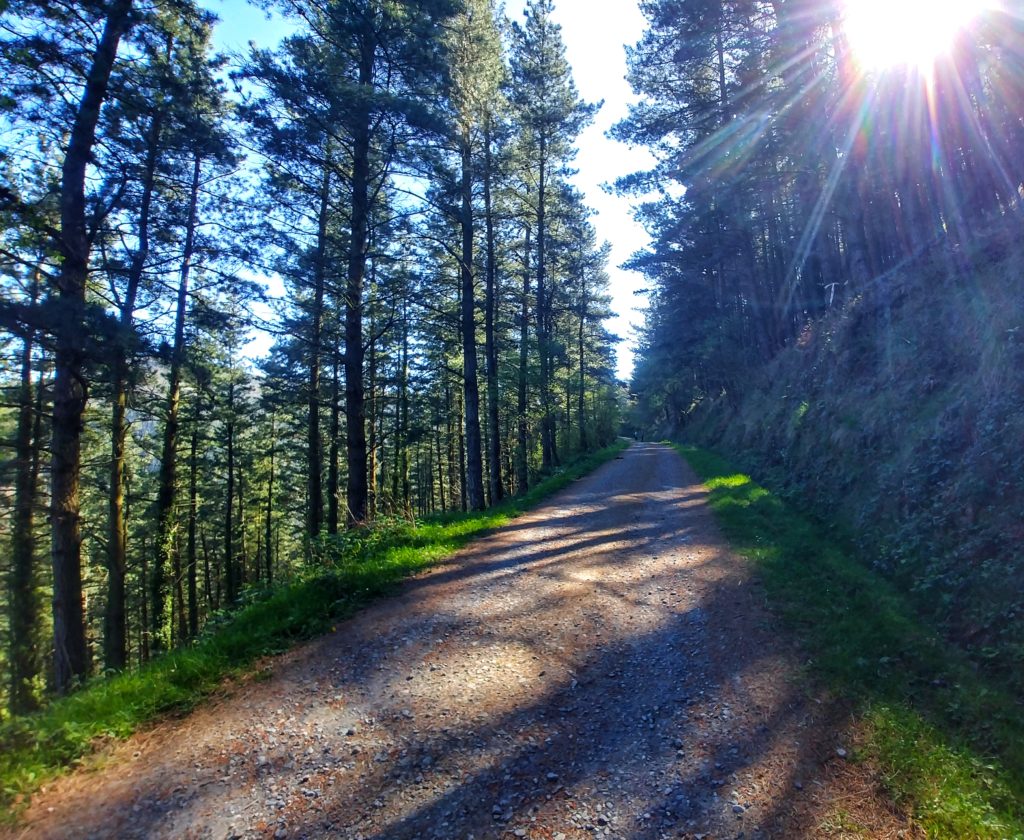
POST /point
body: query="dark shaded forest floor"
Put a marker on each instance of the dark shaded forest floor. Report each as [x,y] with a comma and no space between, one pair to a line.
[602,667]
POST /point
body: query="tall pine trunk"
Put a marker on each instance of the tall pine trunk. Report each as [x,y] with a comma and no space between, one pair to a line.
[70,389]
[23,596]
[400,485]
[168,479]
[371,419]
[490,341]
[314,456]
[269,523]
[333,454]
[581,406]
[440,468]
[230,577]
[242,564]
[474,476]
[522,447]
[193,514]
[355,399]
[114,637]
[547,421]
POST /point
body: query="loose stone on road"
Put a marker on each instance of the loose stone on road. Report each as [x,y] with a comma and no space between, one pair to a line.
[602,667]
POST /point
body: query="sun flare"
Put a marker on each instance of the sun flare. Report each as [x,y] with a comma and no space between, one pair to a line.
[889,33]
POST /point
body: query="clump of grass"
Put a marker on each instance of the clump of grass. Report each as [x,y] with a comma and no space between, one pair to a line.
[945,740]
[356,569]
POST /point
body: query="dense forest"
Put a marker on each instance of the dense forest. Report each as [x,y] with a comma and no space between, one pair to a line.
[400,172]
[791,181]
[835,280]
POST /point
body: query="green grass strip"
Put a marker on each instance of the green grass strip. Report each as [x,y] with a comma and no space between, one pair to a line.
[363,565]
[946,741]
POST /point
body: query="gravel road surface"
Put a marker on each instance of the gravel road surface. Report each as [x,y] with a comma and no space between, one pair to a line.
[603,667]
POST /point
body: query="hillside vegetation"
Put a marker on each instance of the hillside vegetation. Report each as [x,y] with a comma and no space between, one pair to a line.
[900,417]
[945,741]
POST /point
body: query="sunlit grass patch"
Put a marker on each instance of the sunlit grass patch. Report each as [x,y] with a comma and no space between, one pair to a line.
[944,740]
[736,480]
[354,568]
[954,792]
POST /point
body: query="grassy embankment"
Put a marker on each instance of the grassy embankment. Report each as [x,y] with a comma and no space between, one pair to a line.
[899,417]
[365,565]
[947,742]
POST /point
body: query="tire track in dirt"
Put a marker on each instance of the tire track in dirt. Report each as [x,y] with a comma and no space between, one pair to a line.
[602,667]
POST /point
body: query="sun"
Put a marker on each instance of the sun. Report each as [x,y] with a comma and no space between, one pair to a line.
[914,33]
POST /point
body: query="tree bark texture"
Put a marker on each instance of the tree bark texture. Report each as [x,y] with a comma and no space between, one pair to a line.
[314,455]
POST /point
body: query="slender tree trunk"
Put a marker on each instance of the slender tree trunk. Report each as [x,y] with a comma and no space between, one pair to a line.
[580,347]
[115,636]
[114,648]
[355,401]
[440,468]
[474,477]
[277,548]
[242,564]
[334,453]
[402,488]
[396,498]
[371,420]
[179,596]
[461,434]
[23,595]
[193,513]
[168,479]
[229,528]
[419,484]
[70,388]
[144,606]
[522,470]
[490,341]
[257,555]
[429,478]
[543,339]
[454,470]
[314,456]
[211,583]
[268,537]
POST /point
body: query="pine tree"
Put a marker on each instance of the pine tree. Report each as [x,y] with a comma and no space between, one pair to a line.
[474,51]
[71,386]
[551,115]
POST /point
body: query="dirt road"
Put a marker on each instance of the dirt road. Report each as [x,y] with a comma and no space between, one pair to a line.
[602,667]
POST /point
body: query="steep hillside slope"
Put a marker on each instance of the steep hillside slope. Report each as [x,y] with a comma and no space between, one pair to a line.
[902,417]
